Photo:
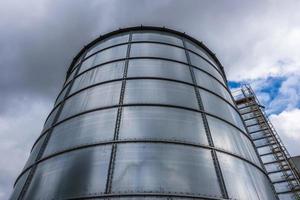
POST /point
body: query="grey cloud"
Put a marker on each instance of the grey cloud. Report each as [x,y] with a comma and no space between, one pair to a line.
[36,55]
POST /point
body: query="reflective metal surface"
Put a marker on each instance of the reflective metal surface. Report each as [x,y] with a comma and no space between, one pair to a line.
[145,113]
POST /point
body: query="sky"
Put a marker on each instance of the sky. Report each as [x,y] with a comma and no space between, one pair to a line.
[256,41]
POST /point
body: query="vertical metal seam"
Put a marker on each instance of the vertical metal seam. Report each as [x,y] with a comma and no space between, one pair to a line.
[207,130]
[251,140]
[118,122]
[47,137]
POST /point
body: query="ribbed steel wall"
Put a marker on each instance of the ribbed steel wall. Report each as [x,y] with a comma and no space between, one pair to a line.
[145,112]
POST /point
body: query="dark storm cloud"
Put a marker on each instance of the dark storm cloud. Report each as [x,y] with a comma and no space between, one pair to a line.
[36,50]
[38,40]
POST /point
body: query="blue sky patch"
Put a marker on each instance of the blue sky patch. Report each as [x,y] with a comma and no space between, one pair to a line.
[234,84]
[266,90]
[272,86]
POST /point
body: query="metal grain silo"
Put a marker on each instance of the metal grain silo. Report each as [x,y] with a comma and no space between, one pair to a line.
[144,113]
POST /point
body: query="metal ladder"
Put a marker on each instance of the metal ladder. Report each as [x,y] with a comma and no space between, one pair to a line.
[278,150]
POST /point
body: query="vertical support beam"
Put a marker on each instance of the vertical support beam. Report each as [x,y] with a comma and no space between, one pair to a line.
[207,130]
[118,122]
[48,135]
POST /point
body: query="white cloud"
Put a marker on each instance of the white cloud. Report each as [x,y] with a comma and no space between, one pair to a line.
[288,127]
[287,123]
[266,44]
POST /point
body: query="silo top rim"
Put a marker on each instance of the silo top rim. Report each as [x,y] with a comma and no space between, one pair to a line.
[141,28]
